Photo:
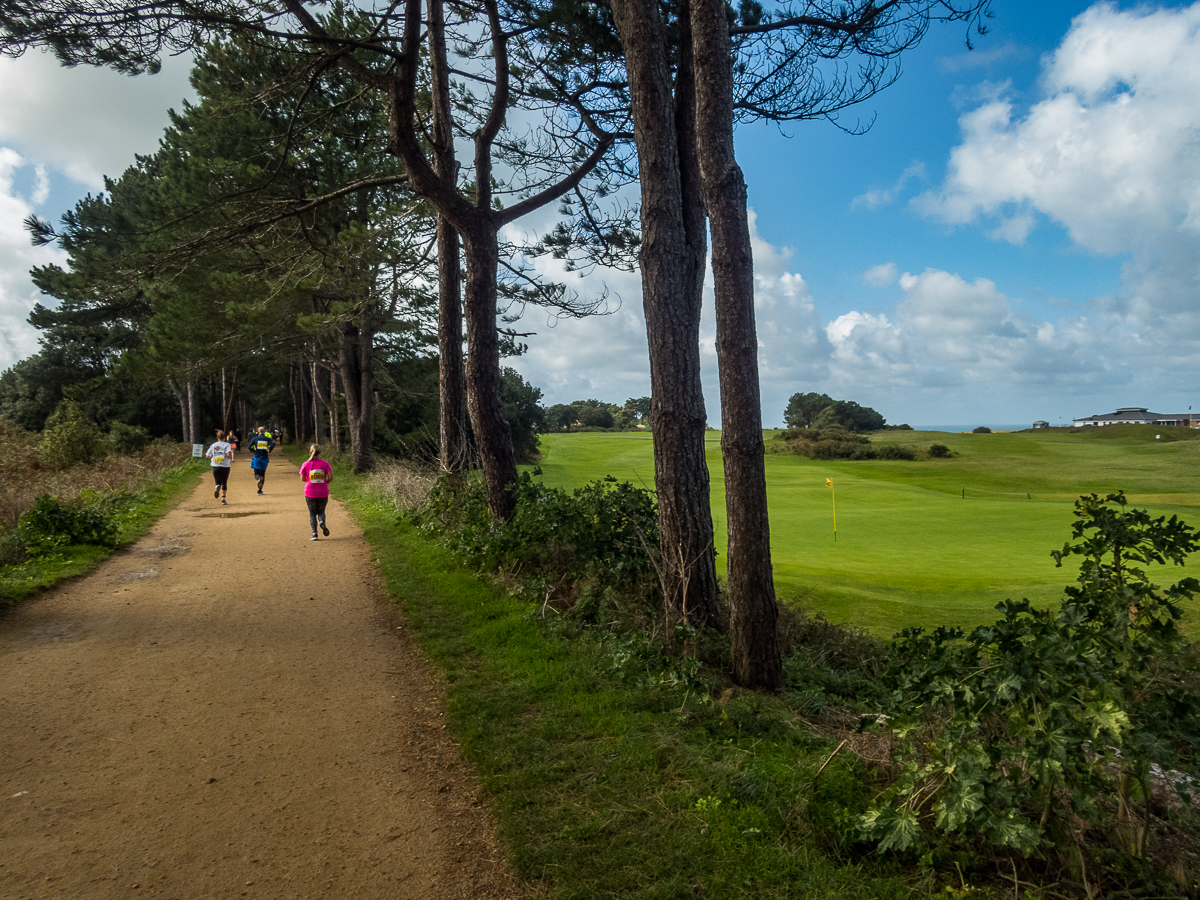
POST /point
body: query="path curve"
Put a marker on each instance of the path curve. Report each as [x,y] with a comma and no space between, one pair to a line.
[228,709]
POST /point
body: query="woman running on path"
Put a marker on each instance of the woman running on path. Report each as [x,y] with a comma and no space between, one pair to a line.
[316,474]
[221,454]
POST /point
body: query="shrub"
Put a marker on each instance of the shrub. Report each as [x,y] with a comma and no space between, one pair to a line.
[939,451]
[1018,734]
[51,525]
[598,535]
[126,440]
[70,438]
[982,429]
[895,451]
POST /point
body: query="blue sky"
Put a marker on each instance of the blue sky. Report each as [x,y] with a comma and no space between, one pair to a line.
[1016,238]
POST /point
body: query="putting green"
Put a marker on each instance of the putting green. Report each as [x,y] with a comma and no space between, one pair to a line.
[910,549]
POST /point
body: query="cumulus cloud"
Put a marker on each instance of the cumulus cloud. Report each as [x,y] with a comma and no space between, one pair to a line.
[881,275]
[18,339]
[86,122]
[878,197]
[1111,153]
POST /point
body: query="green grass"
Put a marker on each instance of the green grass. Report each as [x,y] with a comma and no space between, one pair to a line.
[605,784]
[910,549]
[149,504]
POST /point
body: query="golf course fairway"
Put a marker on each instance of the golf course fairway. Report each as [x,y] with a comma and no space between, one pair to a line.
[932,541]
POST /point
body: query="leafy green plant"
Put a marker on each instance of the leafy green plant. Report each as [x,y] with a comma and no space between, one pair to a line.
[599,534]
[51,525]
[1027,731]
[939,451]
[70,438]
[126,440]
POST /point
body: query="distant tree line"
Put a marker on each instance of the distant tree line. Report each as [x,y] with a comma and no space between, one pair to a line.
[820,411]
[592,414]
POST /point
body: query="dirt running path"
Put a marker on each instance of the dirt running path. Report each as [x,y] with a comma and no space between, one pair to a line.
[228,709]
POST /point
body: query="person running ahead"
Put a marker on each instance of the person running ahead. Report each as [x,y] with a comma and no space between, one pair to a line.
[221,454]
[316,475]
[261,446]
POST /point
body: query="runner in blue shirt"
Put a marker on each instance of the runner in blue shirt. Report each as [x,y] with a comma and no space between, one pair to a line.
[261,446]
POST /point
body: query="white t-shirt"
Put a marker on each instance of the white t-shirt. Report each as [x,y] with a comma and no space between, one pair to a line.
[220,453]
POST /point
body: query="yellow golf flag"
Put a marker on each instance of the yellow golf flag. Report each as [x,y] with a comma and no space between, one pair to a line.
[833,497]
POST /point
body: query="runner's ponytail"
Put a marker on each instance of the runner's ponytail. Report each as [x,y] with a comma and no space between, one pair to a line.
[313,452]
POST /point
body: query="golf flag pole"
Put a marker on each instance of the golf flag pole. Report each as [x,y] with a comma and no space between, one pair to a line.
[833,496]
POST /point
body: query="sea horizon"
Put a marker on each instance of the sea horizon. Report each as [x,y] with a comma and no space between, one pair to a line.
[958,428]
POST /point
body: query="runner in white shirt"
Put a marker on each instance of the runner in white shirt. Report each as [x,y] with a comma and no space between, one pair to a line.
[221,454]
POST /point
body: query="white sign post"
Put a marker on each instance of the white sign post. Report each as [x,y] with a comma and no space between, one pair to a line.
[197,449]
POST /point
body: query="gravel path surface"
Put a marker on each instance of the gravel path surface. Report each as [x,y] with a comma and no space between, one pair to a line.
[228,709]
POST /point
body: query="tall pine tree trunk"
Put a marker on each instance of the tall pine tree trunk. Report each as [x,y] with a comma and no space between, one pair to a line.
[452,402]
[753,614]
[493,437]
[193,407]
[672,266]
[357,364]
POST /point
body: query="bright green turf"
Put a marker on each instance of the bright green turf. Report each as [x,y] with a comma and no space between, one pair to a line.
[910,550]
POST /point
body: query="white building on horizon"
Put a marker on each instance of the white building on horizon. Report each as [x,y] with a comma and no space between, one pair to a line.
[1139,415]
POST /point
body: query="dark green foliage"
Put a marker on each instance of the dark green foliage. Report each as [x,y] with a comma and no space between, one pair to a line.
[70,438]
[894,451]
[939,451]
[126,440]
[803,409]
[1026,731]
[821,411]
[52,525]
[981,429]
[832,442]
[596,415]
[599,534]
[524,413]
[406,419]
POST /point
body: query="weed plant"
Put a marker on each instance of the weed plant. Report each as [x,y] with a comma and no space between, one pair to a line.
[619,763]
[1058,742]
[1030,752]
[58,522]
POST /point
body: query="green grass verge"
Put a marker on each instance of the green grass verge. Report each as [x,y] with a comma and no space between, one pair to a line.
[147,505]
[606,784]
[910,548]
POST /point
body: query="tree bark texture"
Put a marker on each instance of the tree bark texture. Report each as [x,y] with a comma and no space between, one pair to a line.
[357,363]
[452,398]
[318,402]
[672,269]
[493,436]
[193,412]
[753,613]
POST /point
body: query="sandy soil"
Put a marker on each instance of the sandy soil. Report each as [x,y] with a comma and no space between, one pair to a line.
[228,709]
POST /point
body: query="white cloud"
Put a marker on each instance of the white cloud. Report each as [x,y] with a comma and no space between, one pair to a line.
[878,197]
[1111,152]
[65,128]
[978,59]
[881,275]
[18,339]
[86,122]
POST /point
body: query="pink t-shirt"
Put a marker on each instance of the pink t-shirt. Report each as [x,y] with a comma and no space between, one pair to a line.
[316,473]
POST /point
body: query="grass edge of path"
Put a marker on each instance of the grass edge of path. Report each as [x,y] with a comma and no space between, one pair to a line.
[154,499]
[605,785]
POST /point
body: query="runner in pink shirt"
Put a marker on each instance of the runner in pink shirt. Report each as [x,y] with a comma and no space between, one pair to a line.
[316,475]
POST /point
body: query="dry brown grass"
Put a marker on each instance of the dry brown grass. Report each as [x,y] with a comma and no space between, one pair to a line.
[403,483]
[25,478]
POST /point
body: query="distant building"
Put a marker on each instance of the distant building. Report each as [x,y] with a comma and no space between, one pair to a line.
[1139,415]
[1041,423]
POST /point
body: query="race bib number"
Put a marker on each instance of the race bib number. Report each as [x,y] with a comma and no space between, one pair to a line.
[219,459]
[316,476]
